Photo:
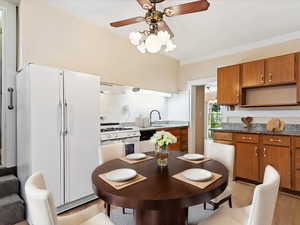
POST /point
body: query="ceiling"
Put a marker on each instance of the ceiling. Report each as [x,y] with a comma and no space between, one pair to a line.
[228,25]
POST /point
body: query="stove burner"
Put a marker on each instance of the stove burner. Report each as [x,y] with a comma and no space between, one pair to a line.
[110,129]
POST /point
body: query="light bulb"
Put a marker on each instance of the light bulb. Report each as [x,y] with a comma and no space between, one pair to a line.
[135,38]
[142,48]
[164,37]
[170,46]
[153,44]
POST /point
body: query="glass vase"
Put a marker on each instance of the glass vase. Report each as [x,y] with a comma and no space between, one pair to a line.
[162,156]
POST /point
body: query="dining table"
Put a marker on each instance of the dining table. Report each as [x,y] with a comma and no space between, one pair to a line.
[160,199]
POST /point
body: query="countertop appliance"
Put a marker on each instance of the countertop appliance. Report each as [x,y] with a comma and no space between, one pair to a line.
[115,133]
[58,131]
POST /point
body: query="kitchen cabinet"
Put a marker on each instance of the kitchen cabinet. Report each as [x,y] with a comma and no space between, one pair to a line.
[298,75]
[228,85]
[247,158]
[280,69]
[244,84]
[223,138]
[279,157]
[253,73]
[255,151]
[181,134]
[296,164]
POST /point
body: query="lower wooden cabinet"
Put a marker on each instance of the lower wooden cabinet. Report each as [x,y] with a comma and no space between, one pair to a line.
[255,151]
[280,158]
[182,139]
[247,161]
[223,138]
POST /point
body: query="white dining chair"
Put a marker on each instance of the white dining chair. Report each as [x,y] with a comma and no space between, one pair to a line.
[42,210]
[260,212]
[107,153]
[225,154]
[110,152]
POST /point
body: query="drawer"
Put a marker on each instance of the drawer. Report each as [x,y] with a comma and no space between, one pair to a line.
[223,142]
[297,159]
[276,140]
[247,138]
[223,136]
[297,180]
[297,142]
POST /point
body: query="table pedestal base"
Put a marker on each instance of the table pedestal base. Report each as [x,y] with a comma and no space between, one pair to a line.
[161,217]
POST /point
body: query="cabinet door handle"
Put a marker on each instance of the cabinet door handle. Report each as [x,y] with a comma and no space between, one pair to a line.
[256,151]
[270,77]
[11,98]
[262,78]
[275,140]
[265,152]
[247,138]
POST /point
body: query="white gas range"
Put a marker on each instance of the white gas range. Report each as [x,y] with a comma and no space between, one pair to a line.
[112,133]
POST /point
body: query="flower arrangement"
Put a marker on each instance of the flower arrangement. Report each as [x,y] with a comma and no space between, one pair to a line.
[163,139]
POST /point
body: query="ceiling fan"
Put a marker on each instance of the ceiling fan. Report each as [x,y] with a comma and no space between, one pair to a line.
[159,33]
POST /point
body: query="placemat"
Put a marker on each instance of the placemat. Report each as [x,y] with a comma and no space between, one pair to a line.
[121,185]
[199,184]
[136,161]
[193,161]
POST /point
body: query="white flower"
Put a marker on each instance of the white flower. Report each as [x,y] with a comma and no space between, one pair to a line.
[135,38]
[164,37]
[170,46]
[163,138]
[142,48]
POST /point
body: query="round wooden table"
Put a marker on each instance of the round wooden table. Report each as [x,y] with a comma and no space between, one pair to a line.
[160,199]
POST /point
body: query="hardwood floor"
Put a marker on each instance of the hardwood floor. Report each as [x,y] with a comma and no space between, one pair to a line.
[287,210]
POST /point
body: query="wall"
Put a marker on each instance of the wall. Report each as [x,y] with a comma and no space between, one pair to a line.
[54,37]
[291,115]
[178,106]
[125,107]
[208,68]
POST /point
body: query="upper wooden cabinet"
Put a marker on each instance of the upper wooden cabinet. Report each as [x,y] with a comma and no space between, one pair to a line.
[253,73]
[228,85]
[280,69]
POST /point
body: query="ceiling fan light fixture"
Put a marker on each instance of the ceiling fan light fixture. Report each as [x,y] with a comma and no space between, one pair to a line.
[170,46]
[153,43]
[142,48]
[135,38]
[169,12]
[164,37]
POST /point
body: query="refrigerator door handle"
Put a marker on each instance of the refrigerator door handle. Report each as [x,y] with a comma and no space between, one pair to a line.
[65,132]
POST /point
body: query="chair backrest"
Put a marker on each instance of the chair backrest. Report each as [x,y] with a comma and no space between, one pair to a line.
[222,153]
[110,152]
[39,201]
[264,199]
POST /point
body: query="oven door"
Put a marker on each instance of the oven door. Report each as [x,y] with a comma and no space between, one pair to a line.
[132,145]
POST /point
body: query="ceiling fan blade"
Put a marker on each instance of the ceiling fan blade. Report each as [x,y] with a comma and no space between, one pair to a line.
[128,21]
[162,25]
[192,7]
[146,4]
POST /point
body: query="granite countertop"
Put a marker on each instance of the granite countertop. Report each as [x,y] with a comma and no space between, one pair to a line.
[290,129]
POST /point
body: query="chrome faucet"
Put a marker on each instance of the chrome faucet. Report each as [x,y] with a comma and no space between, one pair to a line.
[151,115]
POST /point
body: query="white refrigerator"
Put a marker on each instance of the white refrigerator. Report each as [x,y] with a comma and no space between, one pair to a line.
[58,131]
